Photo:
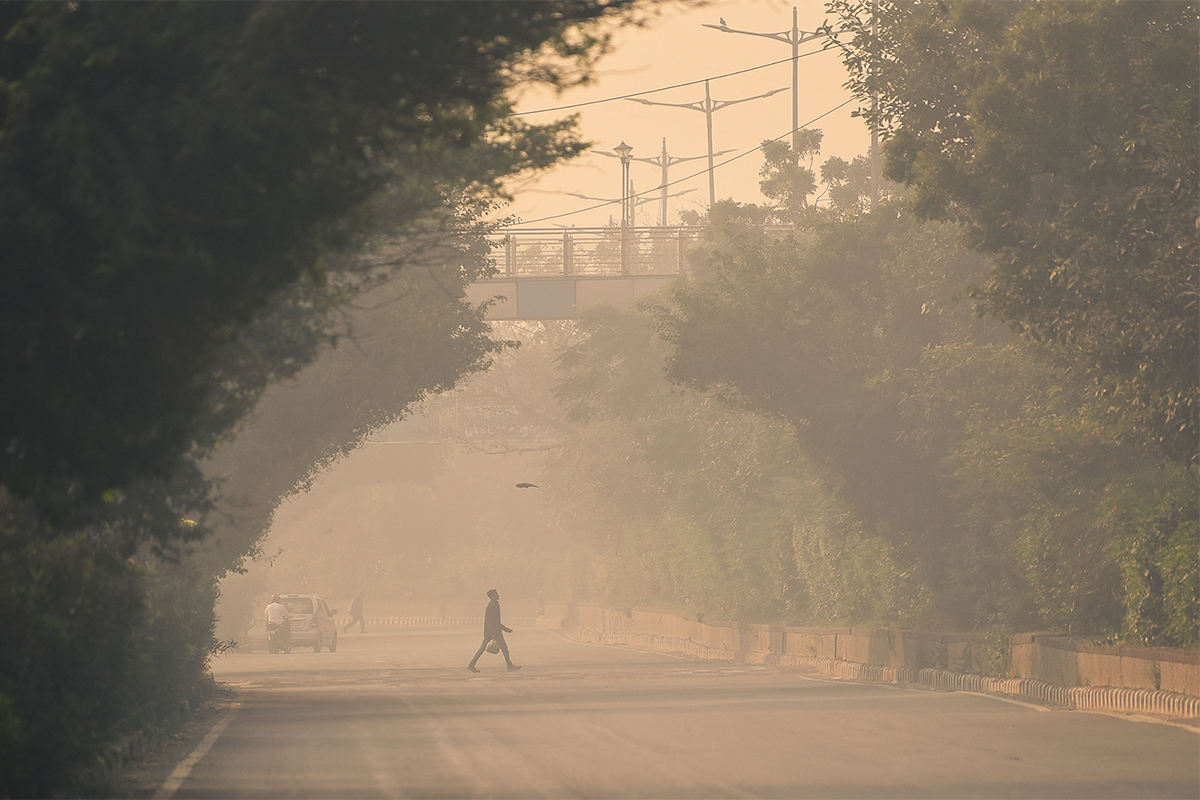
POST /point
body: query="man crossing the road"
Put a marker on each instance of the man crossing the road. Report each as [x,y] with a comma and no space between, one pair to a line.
[493,629]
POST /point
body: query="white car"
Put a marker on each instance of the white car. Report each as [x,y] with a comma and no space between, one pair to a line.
[312,621]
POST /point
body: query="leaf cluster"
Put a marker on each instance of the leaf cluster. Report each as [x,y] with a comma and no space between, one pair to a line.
[975,470]
[165,169]
[1065,138]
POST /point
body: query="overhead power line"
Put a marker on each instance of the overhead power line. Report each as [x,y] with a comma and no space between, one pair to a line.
[689,177]
[569,106]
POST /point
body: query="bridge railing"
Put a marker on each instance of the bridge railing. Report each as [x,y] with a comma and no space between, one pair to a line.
[592,252]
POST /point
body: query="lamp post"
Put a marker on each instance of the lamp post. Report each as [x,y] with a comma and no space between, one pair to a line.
[708,106]
[795,37]
[664,162]
[623,150]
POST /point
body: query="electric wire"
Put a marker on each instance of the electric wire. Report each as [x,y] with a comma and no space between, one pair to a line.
[569,106]
[704,171]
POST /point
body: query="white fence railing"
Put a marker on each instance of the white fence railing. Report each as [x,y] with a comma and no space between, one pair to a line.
[546,252]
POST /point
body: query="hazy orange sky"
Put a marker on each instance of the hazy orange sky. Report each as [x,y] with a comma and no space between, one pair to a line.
[672,49]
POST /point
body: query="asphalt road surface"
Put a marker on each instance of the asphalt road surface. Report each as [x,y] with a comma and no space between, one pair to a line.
[398,715]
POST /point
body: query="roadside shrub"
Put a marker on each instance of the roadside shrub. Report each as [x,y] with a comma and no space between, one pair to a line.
[1154,534]
[68,608]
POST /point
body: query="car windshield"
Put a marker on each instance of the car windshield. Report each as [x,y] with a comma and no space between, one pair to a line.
[298,605]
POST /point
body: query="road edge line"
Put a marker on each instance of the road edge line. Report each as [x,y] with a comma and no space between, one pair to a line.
[184,768]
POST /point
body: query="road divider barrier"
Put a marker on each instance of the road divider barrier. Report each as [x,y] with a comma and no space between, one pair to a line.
[1044,668]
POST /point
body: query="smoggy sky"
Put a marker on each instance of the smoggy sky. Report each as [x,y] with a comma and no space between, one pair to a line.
[675,48]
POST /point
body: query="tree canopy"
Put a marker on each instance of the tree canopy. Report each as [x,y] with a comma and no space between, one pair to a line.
[166,167]
[190,197]
[1065,138]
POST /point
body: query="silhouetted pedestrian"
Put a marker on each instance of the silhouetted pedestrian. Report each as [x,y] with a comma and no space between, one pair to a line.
[493,630]
[356,614]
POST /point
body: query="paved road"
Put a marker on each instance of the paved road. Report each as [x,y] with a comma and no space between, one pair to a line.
[398,715]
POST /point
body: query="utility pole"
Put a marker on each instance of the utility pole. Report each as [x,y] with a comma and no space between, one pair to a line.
[708,106]
[664,162]
[795,37]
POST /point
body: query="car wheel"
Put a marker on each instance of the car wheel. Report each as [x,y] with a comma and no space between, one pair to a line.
[317,644]
[333,644]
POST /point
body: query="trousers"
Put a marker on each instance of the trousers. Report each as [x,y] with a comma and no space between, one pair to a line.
[503,648]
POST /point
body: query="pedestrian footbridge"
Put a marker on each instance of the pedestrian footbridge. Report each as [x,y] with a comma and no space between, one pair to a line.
[551,273]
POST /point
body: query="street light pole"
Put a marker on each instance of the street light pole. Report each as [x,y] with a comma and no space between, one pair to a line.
[664,162]
[795,37]
[709,107]
[623,150]
[712,170]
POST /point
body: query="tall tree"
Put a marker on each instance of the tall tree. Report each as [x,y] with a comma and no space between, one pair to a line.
[1065,137]
[187,194]
[686,498]
[788,178]
[164,168]
[818,326]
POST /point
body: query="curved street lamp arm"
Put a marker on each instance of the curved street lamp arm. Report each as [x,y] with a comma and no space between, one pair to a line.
[671,160]
[637,198]
[781,36]
[719,104]
[679,160]
[656,161]
[692,106]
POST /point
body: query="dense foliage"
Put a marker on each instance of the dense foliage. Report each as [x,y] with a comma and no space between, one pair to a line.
[1039,476]
[164,168]
[190,195]
[1065,138]
[845,442]
[684,498]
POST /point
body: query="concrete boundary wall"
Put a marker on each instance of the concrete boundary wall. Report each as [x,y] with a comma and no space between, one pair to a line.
[1060,659]
[1169,679]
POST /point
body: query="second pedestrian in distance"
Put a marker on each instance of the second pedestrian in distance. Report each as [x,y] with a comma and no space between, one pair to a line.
[356,614]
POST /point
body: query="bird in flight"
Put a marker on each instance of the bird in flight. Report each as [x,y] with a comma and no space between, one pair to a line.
[527,486]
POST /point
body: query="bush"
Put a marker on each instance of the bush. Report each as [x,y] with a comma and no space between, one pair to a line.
[68,608]
[1154,531]
[95,645]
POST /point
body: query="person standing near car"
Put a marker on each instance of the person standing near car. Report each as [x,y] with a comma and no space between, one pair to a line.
[279,619]
[356,614]
[493,628]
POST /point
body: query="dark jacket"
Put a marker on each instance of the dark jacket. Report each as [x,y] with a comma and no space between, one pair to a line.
[492,627]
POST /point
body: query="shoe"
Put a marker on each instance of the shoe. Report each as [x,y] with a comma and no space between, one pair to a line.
[513,667]
[472,668]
